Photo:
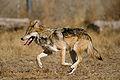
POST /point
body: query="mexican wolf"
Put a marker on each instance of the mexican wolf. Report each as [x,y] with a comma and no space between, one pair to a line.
[74,40]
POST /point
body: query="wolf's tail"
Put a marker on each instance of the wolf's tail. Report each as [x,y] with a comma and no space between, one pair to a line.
[93,52]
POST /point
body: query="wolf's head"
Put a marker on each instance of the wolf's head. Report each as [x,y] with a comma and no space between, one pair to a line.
[31,32]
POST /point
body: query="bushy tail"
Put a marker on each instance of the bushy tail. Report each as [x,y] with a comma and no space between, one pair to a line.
[93,52]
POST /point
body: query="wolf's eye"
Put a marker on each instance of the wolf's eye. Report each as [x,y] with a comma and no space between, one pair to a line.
[32,26]
[27,32]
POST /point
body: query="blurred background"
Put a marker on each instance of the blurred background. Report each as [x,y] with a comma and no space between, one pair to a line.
[100,18]
[61,12]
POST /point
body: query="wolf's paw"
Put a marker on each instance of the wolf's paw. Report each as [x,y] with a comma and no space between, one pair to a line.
[40,65]
[71,70]
[67,64]
[73,66]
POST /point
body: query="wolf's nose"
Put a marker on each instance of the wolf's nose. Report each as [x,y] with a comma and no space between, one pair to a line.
[21,38]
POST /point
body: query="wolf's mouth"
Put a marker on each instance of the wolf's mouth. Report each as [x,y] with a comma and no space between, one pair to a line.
[29,41]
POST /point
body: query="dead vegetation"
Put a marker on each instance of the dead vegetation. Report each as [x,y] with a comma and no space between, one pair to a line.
[19,62]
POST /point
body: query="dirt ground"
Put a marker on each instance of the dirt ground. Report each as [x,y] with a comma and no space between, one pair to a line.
[18,62]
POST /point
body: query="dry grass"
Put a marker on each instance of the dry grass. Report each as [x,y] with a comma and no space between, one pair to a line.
[64,11]
[19,62]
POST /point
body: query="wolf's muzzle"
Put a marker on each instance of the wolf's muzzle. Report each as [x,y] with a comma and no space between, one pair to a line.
[29,40]
[22,39]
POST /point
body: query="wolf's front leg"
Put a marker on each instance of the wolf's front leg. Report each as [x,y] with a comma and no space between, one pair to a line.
[39,57]
[63,57]
[45,53]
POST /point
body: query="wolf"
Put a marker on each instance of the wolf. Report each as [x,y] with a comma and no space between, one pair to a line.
[74,40]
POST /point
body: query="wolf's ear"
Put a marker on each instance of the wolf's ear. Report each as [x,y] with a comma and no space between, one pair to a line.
[36,23]
[31,23]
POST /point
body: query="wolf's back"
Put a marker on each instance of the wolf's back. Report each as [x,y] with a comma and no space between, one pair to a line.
[73,31]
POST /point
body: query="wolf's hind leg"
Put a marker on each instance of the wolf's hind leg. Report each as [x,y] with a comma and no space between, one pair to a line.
[73,56]
[78,50]
[74,66]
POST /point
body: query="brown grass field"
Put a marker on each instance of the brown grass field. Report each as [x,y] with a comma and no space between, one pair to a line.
[18,62]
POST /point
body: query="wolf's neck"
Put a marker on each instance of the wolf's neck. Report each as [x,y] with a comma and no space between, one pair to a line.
[45,32]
